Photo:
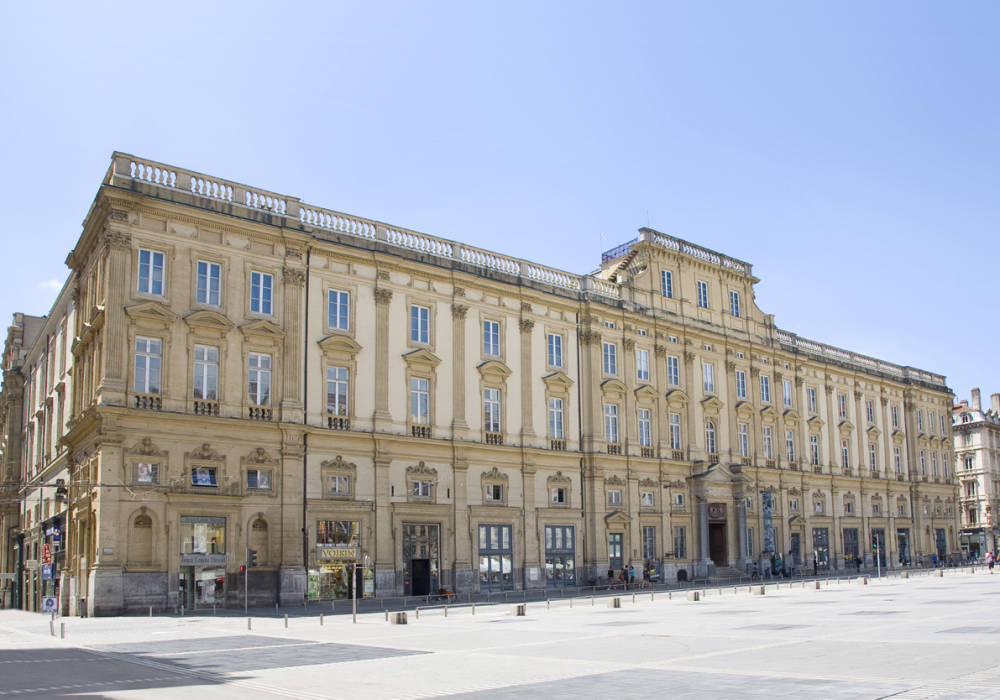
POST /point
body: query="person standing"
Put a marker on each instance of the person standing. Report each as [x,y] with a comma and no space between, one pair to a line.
[624,578]
[990,561]
[611,576]
[631,575]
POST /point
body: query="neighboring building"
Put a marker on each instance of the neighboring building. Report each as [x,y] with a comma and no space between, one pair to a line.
[977,446]
[250,371]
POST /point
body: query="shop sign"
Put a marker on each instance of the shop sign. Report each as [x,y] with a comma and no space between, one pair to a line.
[47,553]
[46,571]
[328,553]
[203,560]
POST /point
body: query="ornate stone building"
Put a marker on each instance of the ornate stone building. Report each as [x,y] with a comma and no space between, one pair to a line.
[977,446]
[247,370]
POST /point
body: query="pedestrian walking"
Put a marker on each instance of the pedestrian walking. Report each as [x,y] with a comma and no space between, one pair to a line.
[754,575]
[857,562]
[815,566]
[645,575]
[631,575]
[611,576]
[624,578]
[989,561]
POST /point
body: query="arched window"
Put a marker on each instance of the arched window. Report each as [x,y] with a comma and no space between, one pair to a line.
[710,437]
[142,540]
[258,540]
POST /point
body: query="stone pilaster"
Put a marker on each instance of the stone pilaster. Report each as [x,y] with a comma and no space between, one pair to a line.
[527,423]
[292,577]
[459,426]
[533,575]
[384,535]
[291,399]
[111,389]
[383,418]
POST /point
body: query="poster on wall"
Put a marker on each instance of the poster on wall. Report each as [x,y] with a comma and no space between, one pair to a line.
[49,605]
[768,524]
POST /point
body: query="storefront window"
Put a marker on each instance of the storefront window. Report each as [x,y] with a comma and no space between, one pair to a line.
[203,535]
[331,579]
[560,560]
[496,558]
[343,532]
[203,561]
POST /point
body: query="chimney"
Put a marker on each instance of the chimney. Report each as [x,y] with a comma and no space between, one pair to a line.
[963,403]
[975,400]
[995,401]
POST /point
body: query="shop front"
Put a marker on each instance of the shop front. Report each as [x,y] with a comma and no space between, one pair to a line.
[203,562]
[338,556]
[560,556]
[421,563]
[496,558]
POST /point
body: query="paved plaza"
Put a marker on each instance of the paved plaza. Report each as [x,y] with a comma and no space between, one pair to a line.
[907,639]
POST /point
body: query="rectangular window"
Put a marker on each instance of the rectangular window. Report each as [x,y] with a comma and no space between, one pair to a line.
[609,324]
[920,419]
[491,410]
[667,284]
[930,422]
[765,389]
[968,463]
[206,373]
[673,371]
[898,459]
[647,499]
[895,417]
[204,476]
[876,508]
[148,358]
[679,500]
[259,379]
[610,358]
[610,422]
[614,498]
[555,350]
[202,535]
[793,505]
[812,400]
[556,419]
[649,542]
[818,507]
[675,431]
[422,489]
[814,449]
[743,434]
[703,294]
[842,405]
[261,290]
[338,485]
[923,464]
[146,473]
[786,392]
[768,443]
[734,304]
[338,310]
[494,492]
[491,338]
[790,445]
[150,278]
[209,283]
[750,542]
[845,454]
[708,370]
[645,432]
[336,391]
[870,410]
[559,496]
[259,479]
[642,365]
[934,469]
[680,543]
[420,324]
[741,384]
[943,433]
[420,401]
[872,456]
[848,507]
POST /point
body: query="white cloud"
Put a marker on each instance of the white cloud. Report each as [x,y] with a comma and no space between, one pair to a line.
[51,285]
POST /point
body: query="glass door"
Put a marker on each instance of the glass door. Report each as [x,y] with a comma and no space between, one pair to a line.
[821,547]
[560,559]
[496,566]
[615,550]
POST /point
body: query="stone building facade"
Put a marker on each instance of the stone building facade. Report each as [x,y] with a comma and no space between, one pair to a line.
[248,371]
[977,449]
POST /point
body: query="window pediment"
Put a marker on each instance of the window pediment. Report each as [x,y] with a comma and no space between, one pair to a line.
[646,393]
[677,397]
[712,403]
[769,412]
[614,480]
[422,360]
[745,408]
[846,426]
[557,381]
[816,423]
[495,370]
[874,432]
[263,329]
[617,517]
[614,386]
[152,311]
[792,416]
[340,345]
[211,320]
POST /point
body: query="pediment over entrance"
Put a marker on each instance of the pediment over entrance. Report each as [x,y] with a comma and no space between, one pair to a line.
[716,474]
[617,518]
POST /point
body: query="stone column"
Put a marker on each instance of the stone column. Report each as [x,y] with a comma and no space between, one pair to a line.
[292,584]
[291,399]
[383,418]
[742,536]
[689,418]
[836,560]
[861,433]
[459,426]
[114,373]
[662,407]
[464,575]
[832,419]
[527,423]
[703,531]
[533,577]
[385,537]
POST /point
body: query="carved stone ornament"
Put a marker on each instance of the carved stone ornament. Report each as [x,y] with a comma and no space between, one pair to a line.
[339,463]
[614,480]
[118,215]
[589,337]
[660,351]
[678,484]
[730,366]
[628,344]
[383,274]
[755,371]
[422,470]
[799,381]
[819,495]
[885,401]
[794,492]
[829,389]
[459,311]
[293,277]
[525,306]
[688,356]
[259,456]
[649,482]
[559,478]
[116,240]
[459,292]
[858,395]
[205,452]
[494,474]
[778,375]
[383,296]
[526,325]
[146,447]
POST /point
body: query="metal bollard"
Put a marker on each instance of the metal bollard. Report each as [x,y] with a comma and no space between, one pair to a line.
[548,604]
[321,619]
[670,595]
[215,609]
[182,611]
[386,615]
[417,611]
[62,630]
[150,610]
[446,611]
[720,590]
[570,603]
[473,608]
[286,621]
[633,596]
[52,627]
[591,601]
[248,623]
[652,596]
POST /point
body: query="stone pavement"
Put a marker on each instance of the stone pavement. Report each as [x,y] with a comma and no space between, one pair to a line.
[921,638]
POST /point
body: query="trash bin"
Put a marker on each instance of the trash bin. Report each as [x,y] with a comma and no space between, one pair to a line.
[82,607]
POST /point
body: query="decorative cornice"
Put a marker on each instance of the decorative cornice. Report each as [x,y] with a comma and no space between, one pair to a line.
[421,470]
[116,240]
[660,350]
[614,480]
[339,463]
[628,344]
[493,474]
[259,456]
[205,453]
[559,478]
[589,337]
[689,357]
[147,448]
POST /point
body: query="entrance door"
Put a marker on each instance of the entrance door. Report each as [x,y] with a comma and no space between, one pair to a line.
[851,547]
[821,547]
[496,558]
[560,562]
[717,544]
[420,572]
[795,548]
[903,545]
[942,546]
[615,550]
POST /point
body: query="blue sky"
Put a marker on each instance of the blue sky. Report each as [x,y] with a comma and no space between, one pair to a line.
[849,150]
